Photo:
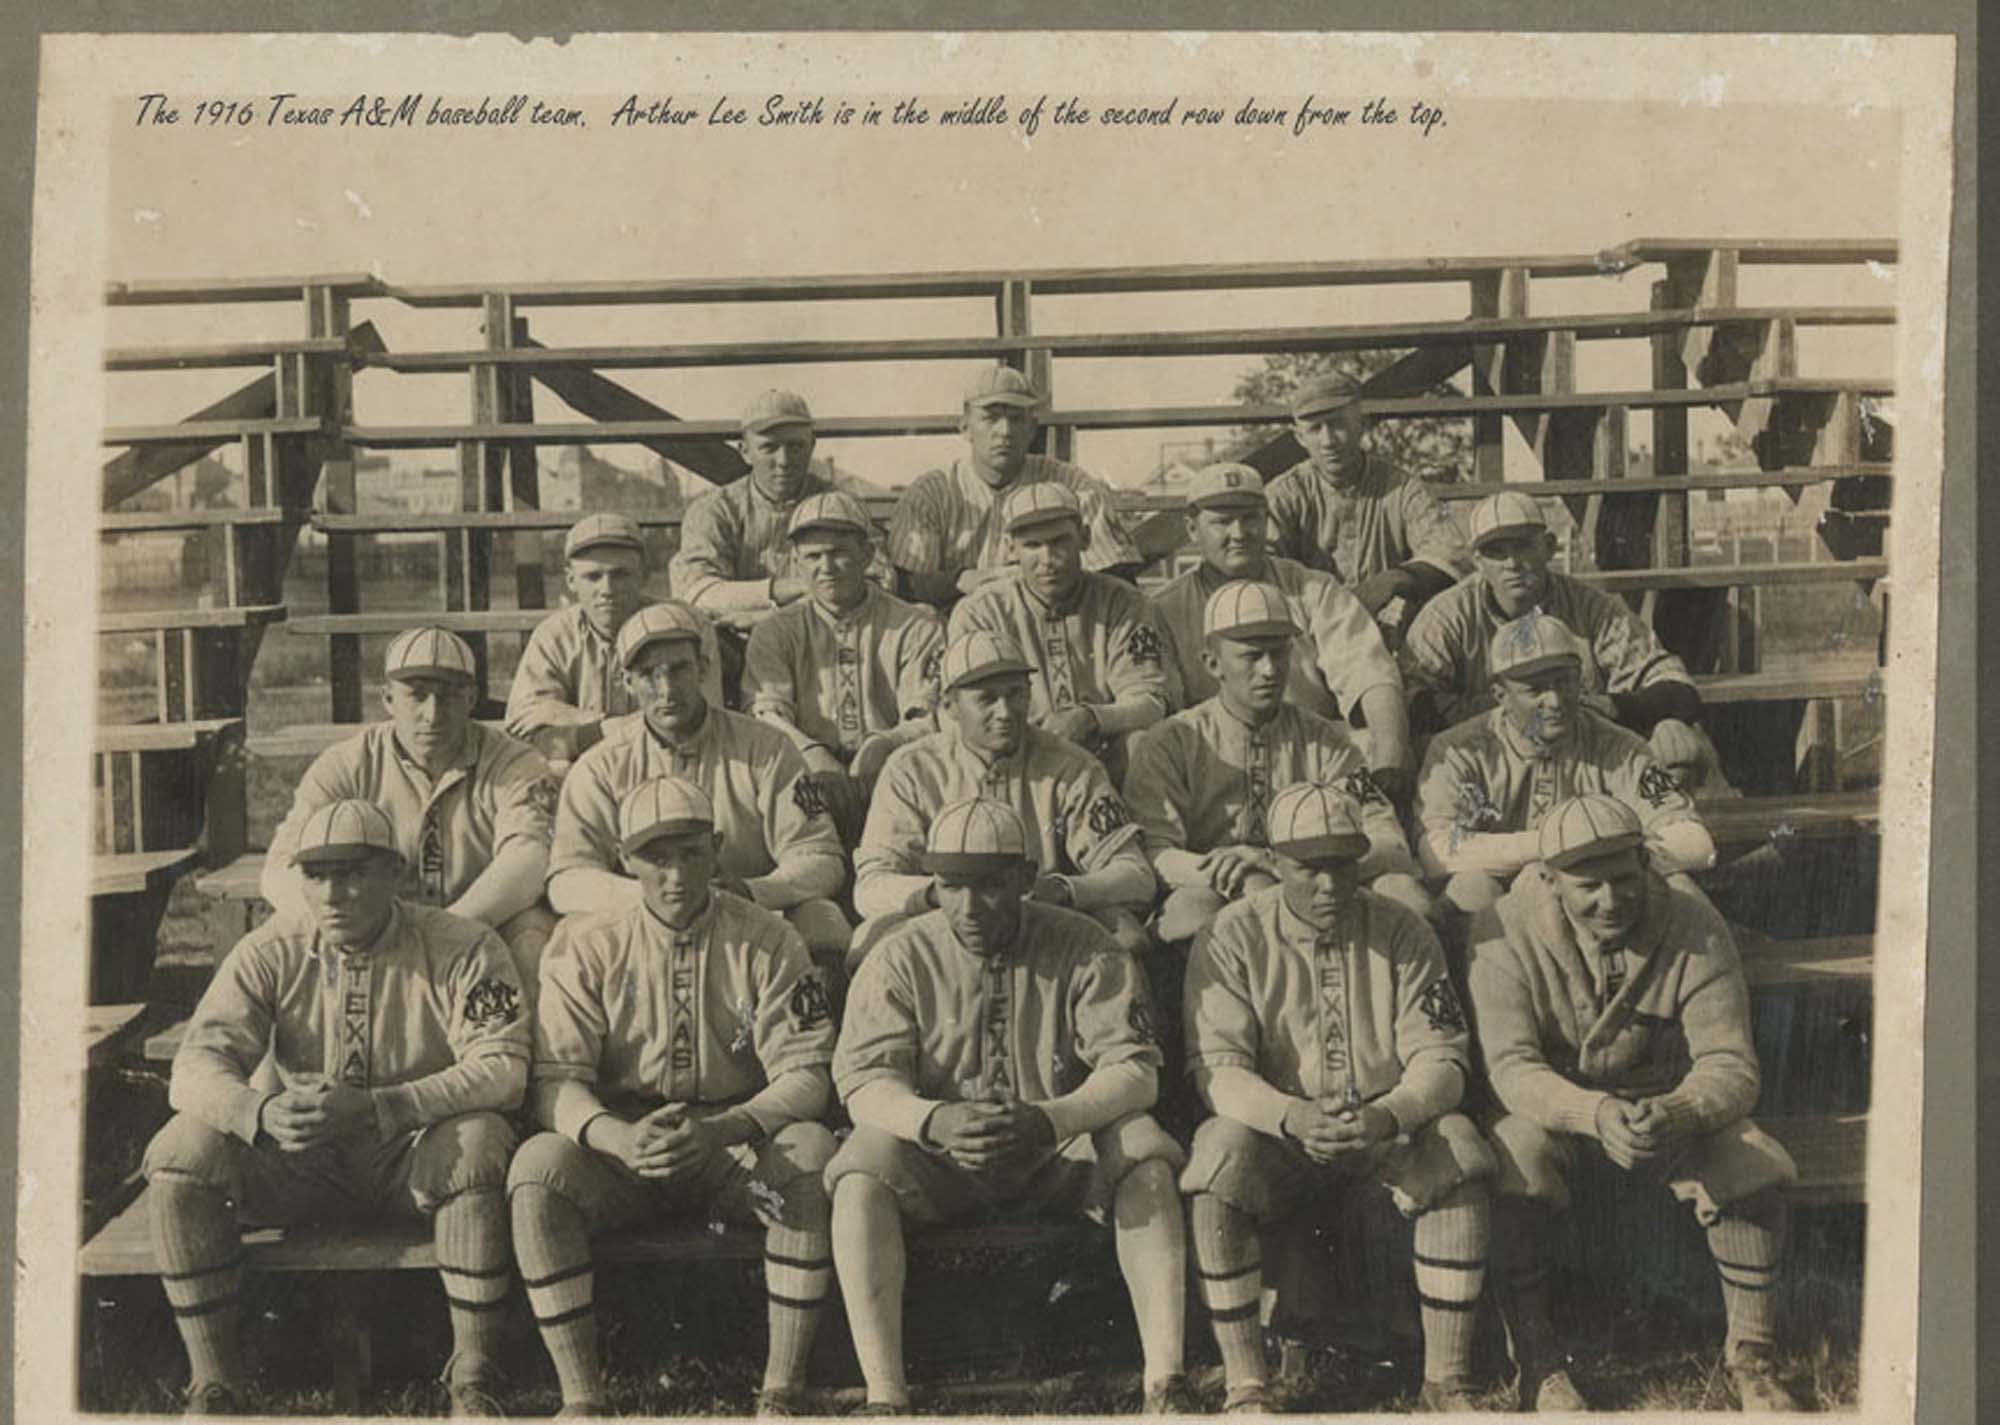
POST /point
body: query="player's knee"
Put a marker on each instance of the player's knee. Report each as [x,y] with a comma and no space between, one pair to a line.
[548,1161]
[189,1151]
[1223,1163]
[459,1155]
[809,1147]
[868,1154]
[1528,1163]
[1473,891]
[821,925]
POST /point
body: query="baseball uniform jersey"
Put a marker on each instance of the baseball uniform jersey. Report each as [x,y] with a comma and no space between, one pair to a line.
[1104,647]
[834,678]
[430,1019]
[738,532]
[1204,778]
[448,830]
[771,815]
[568,675]
[1444,652]
[1483,778]
[634,1013]
[1075,818]
[1034,1021]
[1352,529]
[948,521]
[1339,657]
[1359,1012]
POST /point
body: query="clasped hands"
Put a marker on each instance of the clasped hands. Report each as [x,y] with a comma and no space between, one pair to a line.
[984,1136]
[1327,1135]
[1635,1135]
[666,1143]
[314,1112]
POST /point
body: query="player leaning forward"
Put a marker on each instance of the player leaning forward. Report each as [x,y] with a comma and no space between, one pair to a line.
[1323,1031]
[999,1053]
[473,808]
[399,1034]
[681,1051]
[1614,1021]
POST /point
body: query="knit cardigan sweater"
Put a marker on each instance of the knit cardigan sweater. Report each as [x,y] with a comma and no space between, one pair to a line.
[1678,1030]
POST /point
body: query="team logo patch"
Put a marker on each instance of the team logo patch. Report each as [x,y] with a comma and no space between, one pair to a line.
[1361,786]
[492,1004]
[543,794]
[1656,786]
[932,666]
[808,798]
[808,1005]
[1440,1005]
[1107,814]
[1142,644]
[1140,1017]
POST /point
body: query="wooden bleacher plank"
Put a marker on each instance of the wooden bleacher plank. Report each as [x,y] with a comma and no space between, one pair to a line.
[172,292]
[1831,1153]
[1731,576]
[1789,685]
[1797,477]
[1840,959]
[444,520]
[235,881]
[161,736]
[213,357]
[136,521]
[309,739]
[107,1028]
[136,872]
[1774,251]
[1738,821]
[146,620]
[187,432]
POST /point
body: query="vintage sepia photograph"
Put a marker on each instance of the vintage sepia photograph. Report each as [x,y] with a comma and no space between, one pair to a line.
[1016,724]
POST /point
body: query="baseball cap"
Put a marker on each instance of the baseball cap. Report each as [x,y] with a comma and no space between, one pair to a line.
[976,834]
[1508,512]
[1310,821]
[429,652]
[835,509]
[345,831]
[1244,609]
[1225,484]
[770,409]
[1323,393]
[665,806]
[659,623]
[592,530]
[976,656]
[1586,827]
[1001,386]
[1040,503]
[1527,645]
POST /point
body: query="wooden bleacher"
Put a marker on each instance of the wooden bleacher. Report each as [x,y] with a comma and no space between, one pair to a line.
[298,441]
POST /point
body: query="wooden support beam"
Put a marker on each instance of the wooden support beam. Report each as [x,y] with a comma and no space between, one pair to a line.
[1495,294]
[1422,370]
[710,456]
[524,479]
[139,468]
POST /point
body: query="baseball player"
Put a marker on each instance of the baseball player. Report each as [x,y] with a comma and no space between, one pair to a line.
[1340,667]
[1488,784]
[1614,1022]
[567,682]
[473,808]
[1088,852]
[681,1052]
[946,537]
[779,848]
[1093,645]
[1201,782]
[399,1037]
[1325,1034]
[848,672]
[1627,675]
[998,1053]
[736,562]
[1374,528]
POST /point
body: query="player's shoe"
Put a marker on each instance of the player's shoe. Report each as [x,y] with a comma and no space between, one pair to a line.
[1172,1396]
[779,1404]
[1446,1397]
[474,1399]
[212,1398]
[584,1410]
[1251,1399]
[1755,1376]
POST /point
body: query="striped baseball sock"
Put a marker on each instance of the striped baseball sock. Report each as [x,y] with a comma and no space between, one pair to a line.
[552,1240]
[474,1263]
[201,1260]
[1748,1242]
[1451,1271]
[1523,1237]
[798,1269]
[1231,1269]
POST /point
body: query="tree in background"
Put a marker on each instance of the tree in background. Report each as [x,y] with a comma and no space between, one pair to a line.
[1436,448]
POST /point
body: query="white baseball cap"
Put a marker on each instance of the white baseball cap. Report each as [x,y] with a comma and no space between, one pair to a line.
[1246,609]
[429,652]
[1583,828]
[665,806]
[977,834]
[345,831]
[1310,821]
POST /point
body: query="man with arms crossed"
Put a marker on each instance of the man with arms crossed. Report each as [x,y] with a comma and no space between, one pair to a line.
[399,1034]
[1614,1021]
[681,1052]
[998,1054]
[1324,1032]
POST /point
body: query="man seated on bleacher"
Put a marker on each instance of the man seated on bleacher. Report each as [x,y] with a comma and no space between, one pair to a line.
[998,1055]
[779,848]
[400,1037]
[1614,1021]
[474,809]
[1488,783]
[681,1052]
[1627,674]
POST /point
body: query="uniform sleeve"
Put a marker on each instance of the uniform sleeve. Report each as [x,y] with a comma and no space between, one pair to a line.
[887,865]
[981,613]
[918,660]
[919,528]
[1387,850]
[1114,1035]
[1225,1037]
[708,549]
[1291,523]
[332,777]
[225,1041]
[770,678]
[1433,1040]
[1157,791]
[799,830]
[525,792]
[878,1030]
[1457,822]
[1676,836]
[795,1028]
[586,821]
[1137,666]
[1430,533]
[1721,1083]
[1097,824]
[543,694]
[1509,1038]
[490,1039]
[1347,645]
[569,1031]
[1110,543]
[1431,663]
[1627,653]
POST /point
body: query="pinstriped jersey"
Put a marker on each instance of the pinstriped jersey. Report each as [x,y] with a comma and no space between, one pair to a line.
[1356,528]
[1104,646]
[948,521]
[834,678]
[569,675]
[738,532]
